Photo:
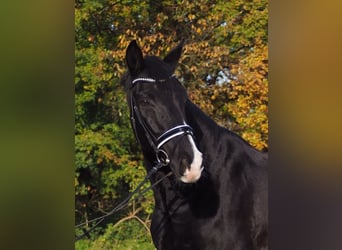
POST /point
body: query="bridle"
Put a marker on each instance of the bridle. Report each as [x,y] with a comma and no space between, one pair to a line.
[156,142]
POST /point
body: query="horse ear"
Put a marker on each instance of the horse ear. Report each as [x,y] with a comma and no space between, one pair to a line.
[134,58]
[173,56]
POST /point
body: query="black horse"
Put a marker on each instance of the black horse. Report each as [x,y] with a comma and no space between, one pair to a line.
[216,197]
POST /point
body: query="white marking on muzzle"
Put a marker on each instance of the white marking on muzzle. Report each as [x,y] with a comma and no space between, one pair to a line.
[194,173]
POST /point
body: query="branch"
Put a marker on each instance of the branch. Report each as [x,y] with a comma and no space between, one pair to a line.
[133,216]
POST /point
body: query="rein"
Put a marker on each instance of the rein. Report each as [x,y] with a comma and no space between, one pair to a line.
[125,202]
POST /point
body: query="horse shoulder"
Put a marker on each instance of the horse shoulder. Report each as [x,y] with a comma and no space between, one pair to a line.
[243,185]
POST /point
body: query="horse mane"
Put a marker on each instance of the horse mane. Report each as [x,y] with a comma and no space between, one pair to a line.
[192,110]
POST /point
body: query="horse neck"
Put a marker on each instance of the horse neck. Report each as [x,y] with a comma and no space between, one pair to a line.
[205,129]
[208,133]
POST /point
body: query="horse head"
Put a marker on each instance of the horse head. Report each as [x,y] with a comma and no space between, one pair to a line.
[157,106]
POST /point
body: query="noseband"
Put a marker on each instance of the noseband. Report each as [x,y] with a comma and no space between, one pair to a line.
[156,143]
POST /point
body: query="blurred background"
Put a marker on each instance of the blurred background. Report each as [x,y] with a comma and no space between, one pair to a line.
[47,47]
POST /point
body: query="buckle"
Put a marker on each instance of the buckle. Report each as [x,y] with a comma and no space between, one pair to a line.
[162,157]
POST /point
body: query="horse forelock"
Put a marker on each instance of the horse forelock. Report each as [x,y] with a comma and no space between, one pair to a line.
[156,68]
[153,67]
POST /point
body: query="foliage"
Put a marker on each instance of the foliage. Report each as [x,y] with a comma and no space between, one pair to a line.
[129,235]
[224,68]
